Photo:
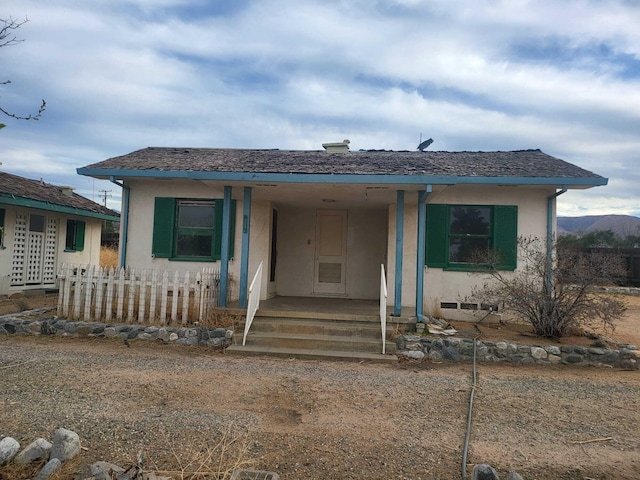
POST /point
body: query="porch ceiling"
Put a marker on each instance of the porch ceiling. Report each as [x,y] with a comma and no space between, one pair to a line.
[323,195]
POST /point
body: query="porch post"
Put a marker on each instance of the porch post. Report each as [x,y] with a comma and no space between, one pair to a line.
[244,262]
[224,251]
[397,306]
[422,229]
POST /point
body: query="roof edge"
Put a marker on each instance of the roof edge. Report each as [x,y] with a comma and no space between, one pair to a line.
[106,174]
[54,207]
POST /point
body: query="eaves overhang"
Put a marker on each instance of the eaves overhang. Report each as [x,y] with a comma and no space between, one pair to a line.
[356,179]
[53,207]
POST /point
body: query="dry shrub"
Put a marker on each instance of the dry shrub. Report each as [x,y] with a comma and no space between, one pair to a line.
[218,318]
[108,257]
[204,459]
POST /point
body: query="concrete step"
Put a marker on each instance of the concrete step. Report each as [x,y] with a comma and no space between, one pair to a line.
[316,327]
[252,350]
[315,342]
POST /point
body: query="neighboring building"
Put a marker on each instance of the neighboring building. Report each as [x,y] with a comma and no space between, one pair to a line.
[43,225]
[323,223]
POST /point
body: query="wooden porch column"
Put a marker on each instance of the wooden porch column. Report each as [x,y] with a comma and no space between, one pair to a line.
[422,230]
[224,251]
[244,262]
[397,306]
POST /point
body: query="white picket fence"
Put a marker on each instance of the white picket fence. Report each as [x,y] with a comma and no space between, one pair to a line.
[93,293]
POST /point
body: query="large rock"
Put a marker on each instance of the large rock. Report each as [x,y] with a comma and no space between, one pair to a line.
[49,469]
[104,470]
[37,450]
[8,449]
[514,476]
[66,444]
[483,471]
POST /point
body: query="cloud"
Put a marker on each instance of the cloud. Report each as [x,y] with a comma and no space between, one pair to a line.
[481,75]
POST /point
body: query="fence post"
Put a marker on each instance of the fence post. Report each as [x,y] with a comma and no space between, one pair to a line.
[87,293]
[163,297]
[77,298]
[120,295]
[143,296]
[186,290]
[99,293]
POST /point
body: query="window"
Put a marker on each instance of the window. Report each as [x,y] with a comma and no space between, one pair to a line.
[456,232]
[75,235]
[189,229]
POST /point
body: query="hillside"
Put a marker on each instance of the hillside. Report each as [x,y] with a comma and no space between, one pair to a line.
[621,225]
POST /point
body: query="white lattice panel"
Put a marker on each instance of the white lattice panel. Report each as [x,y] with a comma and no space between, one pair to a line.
[19,245]
[34,258]
[49,261]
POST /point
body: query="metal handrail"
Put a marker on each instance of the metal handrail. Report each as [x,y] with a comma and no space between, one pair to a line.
[253,302]
[383,308]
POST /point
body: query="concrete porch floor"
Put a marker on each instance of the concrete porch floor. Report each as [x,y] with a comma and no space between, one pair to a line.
[323,307]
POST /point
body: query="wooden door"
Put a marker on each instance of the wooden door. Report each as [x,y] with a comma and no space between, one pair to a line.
[331,252]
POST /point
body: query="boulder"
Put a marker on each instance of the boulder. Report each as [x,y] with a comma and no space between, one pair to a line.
[35,451]
[66,444]
[483,471]
[49,469]
[8,448]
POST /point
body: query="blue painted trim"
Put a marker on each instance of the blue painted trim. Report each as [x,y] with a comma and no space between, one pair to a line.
[422,230]
[224,250]
[244,261]
[341,178]
[125,220]
[397,302]
[550,202]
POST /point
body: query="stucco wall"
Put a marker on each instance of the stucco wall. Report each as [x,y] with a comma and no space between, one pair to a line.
[449,286]
[366,245]
[141,206]
[446,286]
[89,255]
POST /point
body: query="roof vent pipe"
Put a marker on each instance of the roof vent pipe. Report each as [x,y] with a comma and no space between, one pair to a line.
[338,147]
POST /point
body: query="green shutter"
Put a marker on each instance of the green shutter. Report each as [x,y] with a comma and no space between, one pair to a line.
[79,240]
[436,235]
[217,233]
[163,227]
[505,235]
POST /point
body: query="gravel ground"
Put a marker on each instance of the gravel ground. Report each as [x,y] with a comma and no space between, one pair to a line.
[317,419]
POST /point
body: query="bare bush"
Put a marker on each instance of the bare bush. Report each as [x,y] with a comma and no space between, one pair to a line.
[553,294]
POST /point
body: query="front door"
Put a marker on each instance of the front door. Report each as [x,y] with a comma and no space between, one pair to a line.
[331,252]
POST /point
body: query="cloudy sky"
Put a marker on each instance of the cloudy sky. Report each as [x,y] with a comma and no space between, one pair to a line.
[121,75]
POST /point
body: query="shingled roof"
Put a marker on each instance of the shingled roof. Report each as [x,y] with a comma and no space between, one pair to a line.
[428,165]
[18,190]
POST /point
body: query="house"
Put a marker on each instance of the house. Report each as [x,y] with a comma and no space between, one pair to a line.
[42,226]
[324,222]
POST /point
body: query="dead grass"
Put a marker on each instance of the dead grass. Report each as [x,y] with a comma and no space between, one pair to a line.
[205,459]
[108,257]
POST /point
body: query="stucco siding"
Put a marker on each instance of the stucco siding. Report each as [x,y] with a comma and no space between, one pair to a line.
[450,286]
[366,245]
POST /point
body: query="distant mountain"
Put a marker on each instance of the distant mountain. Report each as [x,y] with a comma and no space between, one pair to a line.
[621,225]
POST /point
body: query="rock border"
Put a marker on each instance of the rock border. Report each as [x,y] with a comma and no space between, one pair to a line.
[456,349]
[21,324]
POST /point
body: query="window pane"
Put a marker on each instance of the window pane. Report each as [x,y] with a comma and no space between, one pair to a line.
[190,245]
[195,215]
[71,235]
[36,223]
[462,250]
[470,220]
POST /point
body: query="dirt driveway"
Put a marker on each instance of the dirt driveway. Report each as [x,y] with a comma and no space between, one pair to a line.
[316,419]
